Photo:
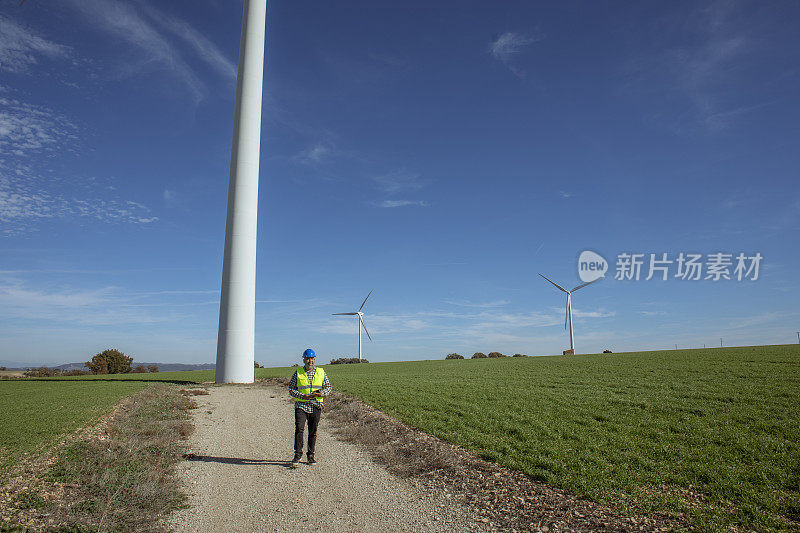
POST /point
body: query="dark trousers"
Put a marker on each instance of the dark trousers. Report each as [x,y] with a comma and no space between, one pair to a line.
[300,419]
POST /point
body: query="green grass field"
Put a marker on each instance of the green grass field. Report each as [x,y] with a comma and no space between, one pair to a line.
[714,434]
[35,414]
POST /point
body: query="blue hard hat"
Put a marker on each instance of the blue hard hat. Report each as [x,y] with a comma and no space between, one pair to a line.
[309,353]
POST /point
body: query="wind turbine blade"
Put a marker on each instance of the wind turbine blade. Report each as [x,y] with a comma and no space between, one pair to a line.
[556,284]
[344,313]
[365,299]
[585,284]
[365,327]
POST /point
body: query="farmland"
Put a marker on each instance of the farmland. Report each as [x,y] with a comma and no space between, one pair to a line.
[713,434]
[35,413]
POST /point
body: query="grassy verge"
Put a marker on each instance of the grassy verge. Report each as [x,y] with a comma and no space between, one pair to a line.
[709,435]
[35,414]
[120,479]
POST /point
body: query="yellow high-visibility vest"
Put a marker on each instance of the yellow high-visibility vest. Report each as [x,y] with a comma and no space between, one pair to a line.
[304,387]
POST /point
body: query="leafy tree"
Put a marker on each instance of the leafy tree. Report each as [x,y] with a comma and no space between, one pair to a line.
[479,355]
[454,356]
[98,365]
[257,365]
[519,355]
[140,369]
[110,361]
[152,368]
[496,354]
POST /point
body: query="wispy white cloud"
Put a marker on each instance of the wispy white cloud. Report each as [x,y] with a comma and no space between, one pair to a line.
[123,21]
[480,305]
[207,51]
[20,47]
[755,320]
[271,307]
[26,128]
[25,197]
[314,155]
[22,203]
[398,181]
[106,306]
[486,326]
[394,183]
[505,47]
[599,313]
[565,194]
[709,72]
[402,203]
[376,324]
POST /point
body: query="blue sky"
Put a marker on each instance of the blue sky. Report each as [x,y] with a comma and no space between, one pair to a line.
[443,153]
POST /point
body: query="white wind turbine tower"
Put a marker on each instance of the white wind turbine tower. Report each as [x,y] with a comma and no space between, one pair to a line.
[237,302]
[568,317]
[360,322]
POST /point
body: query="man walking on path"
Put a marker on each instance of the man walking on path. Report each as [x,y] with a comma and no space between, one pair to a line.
[309,386]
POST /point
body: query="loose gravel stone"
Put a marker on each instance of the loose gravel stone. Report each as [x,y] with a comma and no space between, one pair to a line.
[239,476]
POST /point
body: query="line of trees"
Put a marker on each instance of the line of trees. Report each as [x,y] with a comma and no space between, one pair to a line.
[481,355]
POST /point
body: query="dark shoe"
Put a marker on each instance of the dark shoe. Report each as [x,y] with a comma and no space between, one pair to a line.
[297,458]
[311,460]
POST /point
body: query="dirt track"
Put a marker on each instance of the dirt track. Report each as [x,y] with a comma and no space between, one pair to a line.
[240,479]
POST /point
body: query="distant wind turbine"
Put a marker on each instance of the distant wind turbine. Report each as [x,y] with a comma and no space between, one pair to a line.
[360,322]
[568,317]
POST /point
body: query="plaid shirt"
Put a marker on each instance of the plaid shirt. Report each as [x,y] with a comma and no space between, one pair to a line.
[310,405]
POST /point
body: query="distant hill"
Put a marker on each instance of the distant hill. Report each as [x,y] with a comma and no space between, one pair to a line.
[162,367]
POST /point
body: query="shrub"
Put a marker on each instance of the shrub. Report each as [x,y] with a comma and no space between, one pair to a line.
[607,351]
[110,361]
[479,355]
[76,372]
[496,354]
[140,369]
[2,368]
[42,372]
[454,356]
[347,361]
[152,368]
[256,365]
[519,355]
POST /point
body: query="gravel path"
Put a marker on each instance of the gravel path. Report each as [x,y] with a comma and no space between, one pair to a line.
[240,479]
